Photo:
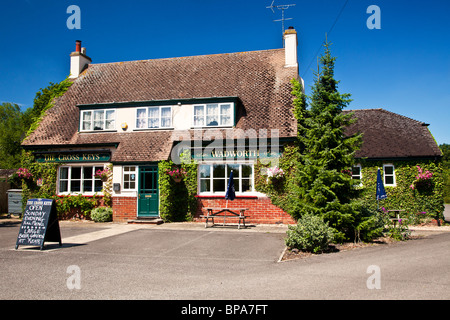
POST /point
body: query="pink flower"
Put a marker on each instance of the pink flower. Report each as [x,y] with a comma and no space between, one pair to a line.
[176,173]
[422,177]
[24,173]
[275,172]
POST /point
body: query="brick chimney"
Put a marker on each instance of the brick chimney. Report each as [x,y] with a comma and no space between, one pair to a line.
[78,60]
[290,47]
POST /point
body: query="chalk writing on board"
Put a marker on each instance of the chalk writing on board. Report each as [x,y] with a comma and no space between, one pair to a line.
[35,224]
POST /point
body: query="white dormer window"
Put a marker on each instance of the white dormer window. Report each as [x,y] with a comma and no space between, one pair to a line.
[213,115]
[154,117]
[98,120]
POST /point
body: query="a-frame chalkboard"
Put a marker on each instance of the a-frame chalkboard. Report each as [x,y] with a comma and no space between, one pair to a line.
[39,224]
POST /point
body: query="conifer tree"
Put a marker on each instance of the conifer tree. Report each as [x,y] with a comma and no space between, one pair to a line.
[322,183]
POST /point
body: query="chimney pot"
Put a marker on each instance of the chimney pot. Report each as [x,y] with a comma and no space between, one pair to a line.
[78,46]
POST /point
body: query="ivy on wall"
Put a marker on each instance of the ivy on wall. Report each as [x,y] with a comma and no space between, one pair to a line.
[45,172]
[279,191]
[45,100]
[68,205]
[177,199]
[417,203]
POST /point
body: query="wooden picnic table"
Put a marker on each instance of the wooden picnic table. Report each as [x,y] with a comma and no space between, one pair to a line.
[237,213]
[396,215]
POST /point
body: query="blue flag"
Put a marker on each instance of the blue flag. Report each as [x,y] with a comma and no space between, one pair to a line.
[381,193]
[230,195]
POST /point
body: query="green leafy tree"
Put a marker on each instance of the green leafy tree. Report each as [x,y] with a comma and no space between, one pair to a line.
[12,131]
[15,125]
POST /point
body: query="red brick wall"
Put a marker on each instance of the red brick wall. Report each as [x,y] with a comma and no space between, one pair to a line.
[124,208]
[260,209]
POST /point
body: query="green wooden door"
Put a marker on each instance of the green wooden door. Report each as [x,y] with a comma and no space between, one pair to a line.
[148,201]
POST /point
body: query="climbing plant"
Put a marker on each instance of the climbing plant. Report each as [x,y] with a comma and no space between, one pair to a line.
[417,203]
[177,199]
[42,184]
[44,175]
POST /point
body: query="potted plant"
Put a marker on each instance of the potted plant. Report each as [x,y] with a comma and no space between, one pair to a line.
[24,174]
[102,174]
[177,174]
[275,174]
[423,180]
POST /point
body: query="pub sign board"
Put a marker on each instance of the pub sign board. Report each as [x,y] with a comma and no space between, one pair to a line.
[39,224]
[66,157]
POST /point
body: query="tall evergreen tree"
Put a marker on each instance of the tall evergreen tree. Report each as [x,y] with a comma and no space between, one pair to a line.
[322,181]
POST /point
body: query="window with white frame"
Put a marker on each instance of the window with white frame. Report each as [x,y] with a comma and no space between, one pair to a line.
[389,175]
[79,179]
[95,120]
[154,117]
[213,178]
[129,178]
[357,175]
[213,115]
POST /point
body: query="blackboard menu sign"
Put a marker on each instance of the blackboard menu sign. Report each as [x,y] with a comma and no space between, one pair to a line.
[39,223]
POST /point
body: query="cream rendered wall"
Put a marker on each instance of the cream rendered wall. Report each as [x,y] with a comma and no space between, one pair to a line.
[181,118]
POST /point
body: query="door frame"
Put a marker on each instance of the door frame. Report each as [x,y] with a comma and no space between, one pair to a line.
[142,168]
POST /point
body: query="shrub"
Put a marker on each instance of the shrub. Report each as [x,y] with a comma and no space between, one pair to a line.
[101,214]
[369,224]
[399,233]
[311,233]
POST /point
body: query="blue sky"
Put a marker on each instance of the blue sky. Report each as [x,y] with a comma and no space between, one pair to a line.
[403,67]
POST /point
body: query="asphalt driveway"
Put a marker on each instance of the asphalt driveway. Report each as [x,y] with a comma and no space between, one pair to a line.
[189,262]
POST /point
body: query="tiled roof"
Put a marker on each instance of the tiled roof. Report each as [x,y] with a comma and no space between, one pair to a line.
[258,78]
[390,135]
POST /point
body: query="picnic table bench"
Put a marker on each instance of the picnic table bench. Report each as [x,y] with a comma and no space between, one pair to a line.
[237,213]
[396,217]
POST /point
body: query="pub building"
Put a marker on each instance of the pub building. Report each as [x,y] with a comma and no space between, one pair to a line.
[229,109]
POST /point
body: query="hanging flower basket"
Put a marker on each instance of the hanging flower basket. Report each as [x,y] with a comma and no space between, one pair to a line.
[423,180]
[24,174]
[177,174]
[102,174]
[274,175]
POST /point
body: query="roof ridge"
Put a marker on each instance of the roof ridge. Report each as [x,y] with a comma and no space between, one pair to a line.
[187,57]
[387,111]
